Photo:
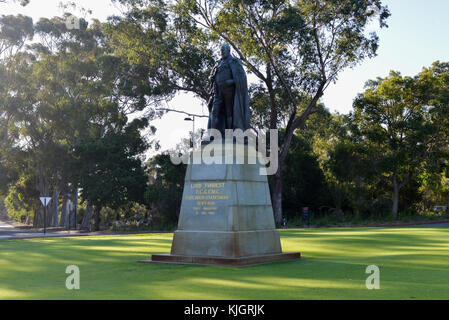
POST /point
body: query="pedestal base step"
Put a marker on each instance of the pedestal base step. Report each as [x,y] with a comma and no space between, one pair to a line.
[219,261]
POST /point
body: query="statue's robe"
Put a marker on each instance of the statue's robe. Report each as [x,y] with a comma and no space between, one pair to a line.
[241,111]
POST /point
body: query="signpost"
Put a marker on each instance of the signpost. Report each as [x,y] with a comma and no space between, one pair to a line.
[45,201]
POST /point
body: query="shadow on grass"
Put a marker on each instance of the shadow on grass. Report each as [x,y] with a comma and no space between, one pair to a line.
[334,268]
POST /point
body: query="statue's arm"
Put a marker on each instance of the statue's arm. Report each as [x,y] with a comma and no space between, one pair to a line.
[212,89]
[241,70]
[238,73]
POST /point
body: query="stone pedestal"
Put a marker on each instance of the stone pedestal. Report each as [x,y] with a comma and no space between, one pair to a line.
[226,214]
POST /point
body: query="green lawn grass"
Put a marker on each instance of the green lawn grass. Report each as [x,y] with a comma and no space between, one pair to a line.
[413,262]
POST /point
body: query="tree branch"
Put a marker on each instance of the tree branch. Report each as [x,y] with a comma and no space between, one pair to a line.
[183,112]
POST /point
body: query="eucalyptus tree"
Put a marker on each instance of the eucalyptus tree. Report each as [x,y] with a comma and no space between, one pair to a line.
[294,48]
[84,90]
[401,123]
[433,84]
[109,168]
[163,194]
[15,31]
[179,57]
[70,89]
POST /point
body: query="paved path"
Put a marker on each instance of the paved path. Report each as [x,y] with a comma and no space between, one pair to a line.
[8,232]
[5,226]
[434,225]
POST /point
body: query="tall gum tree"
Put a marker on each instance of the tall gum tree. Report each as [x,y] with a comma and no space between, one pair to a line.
[294,48]
[87,92]
[401,124]
[65,90]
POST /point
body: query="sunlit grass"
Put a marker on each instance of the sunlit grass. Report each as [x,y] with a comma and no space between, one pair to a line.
[414,262]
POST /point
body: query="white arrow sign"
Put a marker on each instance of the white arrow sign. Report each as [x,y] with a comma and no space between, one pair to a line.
[45,200]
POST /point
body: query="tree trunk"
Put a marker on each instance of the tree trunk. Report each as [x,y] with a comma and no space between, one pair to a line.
[72,211]
[97,218]
[276,196]
[42,186]
[85,224]
[64,213]
[395,198]
[38,220]
[53,210]
[447,204]
[276,193]
[359,198]
[273,107]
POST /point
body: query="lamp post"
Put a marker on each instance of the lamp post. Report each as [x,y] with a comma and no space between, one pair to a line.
[193,130]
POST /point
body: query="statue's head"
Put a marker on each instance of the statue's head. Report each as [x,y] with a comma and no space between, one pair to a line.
[225,51]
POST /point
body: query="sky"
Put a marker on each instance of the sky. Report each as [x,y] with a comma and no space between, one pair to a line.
[416,37]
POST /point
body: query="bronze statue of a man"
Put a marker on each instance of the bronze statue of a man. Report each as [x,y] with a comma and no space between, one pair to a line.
[229,103]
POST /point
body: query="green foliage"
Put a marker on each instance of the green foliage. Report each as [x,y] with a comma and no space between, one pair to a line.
[109,172]
[65,93]
[67,99]
[164,191]
[14,31]
[22,199]
[296,49]
[397,135]
[304,183]
[176,53]
[398,131]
